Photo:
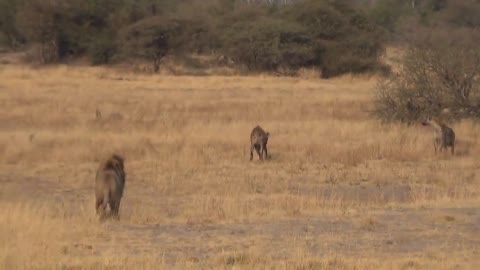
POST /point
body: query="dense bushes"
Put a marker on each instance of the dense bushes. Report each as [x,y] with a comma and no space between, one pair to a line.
[329,35]
[9,34]
[393,14]
[151,38]
[63,29]
[333,36]
[344,40]
[267,44]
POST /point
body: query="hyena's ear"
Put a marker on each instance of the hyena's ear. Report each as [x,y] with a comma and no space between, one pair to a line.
[268,134]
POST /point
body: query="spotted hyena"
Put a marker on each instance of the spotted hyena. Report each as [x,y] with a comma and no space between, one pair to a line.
[109,185]
[443,136]
[258,141]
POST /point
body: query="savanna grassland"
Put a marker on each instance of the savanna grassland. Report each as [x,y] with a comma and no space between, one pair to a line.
[340,191]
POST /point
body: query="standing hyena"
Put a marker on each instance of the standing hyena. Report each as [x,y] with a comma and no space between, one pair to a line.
[443,136]
[109,185]
[258,140]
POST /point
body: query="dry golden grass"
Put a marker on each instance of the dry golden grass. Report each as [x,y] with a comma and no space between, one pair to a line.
[341,190]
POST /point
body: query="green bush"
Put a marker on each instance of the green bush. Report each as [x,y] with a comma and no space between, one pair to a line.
[328,35]
[9,34]
[266,44]
[102,49]
[151,39]
[344,40]
[65,28]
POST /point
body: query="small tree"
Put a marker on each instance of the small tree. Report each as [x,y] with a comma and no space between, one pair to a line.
[440,71]
[151,38]
[102,49]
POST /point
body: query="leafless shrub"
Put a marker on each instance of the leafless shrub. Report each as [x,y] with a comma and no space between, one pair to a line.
[440,72]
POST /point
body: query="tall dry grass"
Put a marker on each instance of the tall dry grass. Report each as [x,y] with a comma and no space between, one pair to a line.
[186,145]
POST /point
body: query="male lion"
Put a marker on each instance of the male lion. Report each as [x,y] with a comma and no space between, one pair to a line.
[109,185]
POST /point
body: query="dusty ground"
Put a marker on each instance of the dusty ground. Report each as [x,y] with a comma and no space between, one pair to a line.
[341,190]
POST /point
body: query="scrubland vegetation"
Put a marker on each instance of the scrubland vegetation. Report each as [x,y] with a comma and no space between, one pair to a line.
[439,70]
[352,181]
[341,190]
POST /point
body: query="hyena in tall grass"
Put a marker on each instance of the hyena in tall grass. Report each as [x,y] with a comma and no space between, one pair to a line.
[443,136]
[258,141]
